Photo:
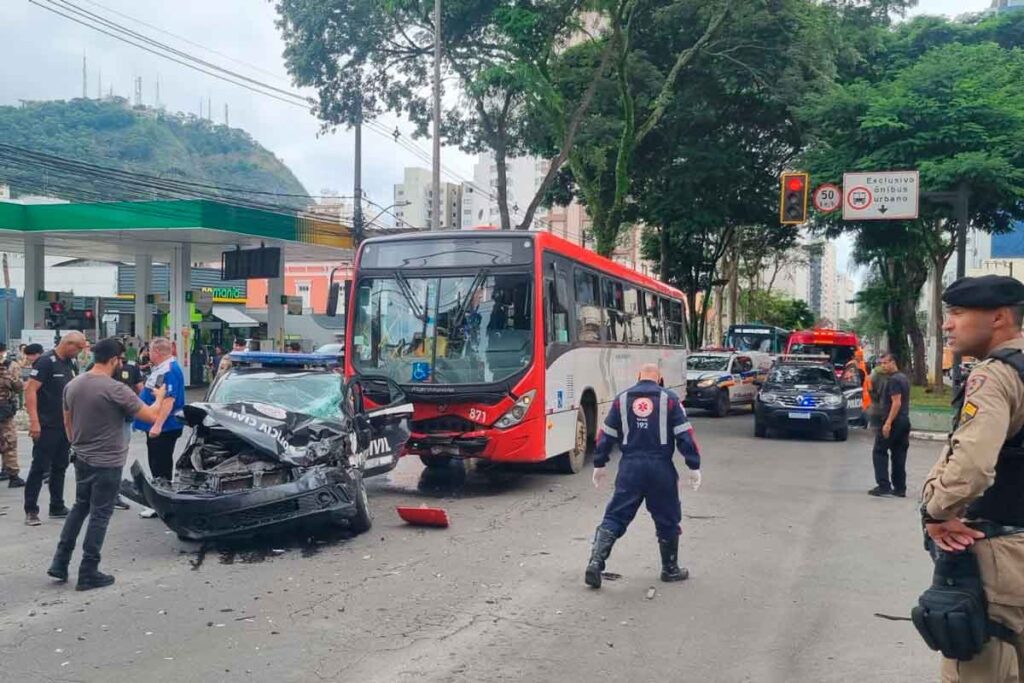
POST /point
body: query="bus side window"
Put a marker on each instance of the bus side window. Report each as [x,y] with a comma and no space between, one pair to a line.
[556,315]
[613,305]
[652,319]
[634,316]
[672,312]
[589,316]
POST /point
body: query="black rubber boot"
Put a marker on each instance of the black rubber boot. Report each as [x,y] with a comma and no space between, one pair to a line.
[93,579]
[603,542]
[670,569]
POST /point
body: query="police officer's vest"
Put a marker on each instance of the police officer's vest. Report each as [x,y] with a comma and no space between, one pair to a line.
[1003,502]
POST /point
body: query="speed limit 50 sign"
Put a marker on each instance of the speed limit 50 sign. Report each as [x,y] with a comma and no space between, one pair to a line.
[827,198]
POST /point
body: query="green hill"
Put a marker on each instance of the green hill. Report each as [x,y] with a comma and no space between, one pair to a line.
[139,140]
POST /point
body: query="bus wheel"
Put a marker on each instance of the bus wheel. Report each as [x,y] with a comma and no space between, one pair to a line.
[572,462]
[436,461]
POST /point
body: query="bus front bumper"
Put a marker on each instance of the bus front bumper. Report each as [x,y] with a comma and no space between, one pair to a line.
[499,445]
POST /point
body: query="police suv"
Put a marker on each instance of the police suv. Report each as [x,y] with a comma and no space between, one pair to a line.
[802,393]
[718,379]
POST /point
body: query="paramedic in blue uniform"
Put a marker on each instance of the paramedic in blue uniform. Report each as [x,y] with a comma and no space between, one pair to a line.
[648,423]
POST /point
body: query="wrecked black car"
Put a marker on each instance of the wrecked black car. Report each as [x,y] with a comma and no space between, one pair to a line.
[254,466]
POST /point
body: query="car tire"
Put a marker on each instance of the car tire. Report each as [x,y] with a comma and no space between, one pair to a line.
[842,434]
[363,519]
[436,461]
[721,404]
[760,431]
[573,461]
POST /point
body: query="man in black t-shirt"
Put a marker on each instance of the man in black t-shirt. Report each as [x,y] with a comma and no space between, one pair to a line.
[44,401]
[893,438]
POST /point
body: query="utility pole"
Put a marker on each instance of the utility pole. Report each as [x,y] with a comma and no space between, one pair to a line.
[85,79]
[436,199]
[357,190]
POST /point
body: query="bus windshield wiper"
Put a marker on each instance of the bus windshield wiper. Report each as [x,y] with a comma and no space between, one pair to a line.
[410,297]
[460,312]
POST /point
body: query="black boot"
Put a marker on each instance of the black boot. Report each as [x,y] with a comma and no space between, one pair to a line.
[603,542]
[93,578]
[58,570]
[670,569]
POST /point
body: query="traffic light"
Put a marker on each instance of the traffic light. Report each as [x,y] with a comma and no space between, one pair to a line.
[55,316]
[793,198]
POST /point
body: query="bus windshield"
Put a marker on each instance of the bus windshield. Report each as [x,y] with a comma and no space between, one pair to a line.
[443,330]
[756,338]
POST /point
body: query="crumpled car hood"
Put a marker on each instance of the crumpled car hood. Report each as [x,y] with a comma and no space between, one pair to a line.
[291,438]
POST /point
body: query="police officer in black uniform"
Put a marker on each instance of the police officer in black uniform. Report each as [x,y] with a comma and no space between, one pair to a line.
[648,423]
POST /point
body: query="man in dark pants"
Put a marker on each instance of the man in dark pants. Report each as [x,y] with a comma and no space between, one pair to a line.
[95,408]
[648,423]
[893,438]
[44,403]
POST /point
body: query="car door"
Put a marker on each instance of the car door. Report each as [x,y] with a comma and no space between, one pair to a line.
[381,417]
[743,369]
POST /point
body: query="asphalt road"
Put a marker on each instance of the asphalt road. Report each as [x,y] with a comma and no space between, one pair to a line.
[790,563]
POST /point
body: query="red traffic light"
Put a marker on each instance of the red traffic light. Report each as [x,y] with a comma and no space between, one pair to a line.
[795,184]
[57,307]
[88,314]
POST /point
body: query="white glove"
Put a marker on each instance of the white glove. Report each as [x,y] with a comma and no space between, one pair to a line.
[695,480]
[600,474]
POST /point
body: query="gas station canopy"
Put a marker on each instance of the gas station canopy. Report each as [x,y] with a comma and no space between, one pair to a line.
[120,230]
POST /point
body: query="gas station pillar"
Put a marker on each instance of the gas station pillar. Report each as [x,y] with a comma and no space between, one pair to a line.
[35,282]
[276,310]
[180,326]
[143,278]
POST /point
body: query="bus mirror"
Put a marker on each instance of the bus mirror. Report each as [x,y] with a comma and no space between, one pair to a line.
[332,299]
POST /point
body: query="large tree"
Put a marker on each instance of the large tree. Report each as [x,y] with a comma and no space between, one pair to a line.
[368,57]
[956,113]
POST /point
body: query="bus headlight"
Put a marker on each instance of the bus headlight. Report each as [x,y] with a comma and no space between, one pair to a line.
[517,412]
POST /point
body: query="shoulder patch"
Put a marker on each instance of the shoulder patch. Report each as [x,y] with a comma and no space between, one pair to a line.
[969,411]
[974,383]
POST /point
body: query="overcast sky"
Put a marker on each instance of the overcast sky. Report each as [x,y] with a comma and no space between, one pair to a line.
[41,58]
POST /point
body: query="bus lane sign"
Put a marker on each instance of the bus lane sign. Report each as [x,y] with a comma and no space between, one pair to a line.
[881,196]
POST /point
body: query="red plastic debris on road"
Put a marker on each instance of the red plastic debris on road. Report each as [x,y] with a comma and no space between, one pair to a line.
[424,516]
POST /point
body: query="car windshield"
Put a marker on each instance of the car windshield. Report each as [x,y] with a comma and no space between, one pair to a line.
[472,329]
[797,375]
[317,394]
[707,363]
[839,355]
[331,348]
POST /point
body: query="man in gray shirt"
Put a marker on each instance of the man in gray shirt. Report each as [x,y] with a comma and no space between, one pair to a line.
[95,408]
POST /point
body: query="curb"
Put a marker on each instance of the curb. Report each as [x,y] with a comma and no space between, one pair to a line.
[928,436]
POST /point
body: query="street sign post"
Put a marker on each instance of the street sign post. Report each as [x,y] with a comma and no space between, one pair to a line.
[881,196]
[827,198]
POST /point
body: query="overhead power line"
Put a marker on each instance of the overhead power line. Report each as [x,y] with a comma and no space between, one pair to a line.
[97,22]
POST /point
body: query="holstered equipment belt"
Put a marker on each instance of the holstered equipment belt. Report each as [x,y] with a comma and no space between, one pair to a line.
[952,615]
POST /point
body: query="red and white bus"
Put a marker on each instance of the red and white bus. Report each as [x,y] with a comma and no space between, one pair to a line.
[839,346]
[511,345]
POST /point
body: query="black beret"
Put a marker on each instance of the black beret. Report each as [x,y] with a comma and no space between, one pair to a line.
[987,291]
[33,349]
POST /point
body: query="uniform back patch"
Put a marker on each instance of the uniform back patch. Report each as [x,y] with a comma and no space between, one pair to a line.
[643,407]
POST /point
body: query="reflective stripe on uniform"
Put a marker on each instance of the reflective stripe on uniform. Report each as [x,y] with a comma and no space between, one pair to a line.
[610,431]
[663,418]
[624,415]
[685,427]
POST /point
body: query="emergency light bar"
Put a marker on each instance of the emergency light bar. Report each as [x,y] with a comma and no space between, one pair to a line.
[284,359]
